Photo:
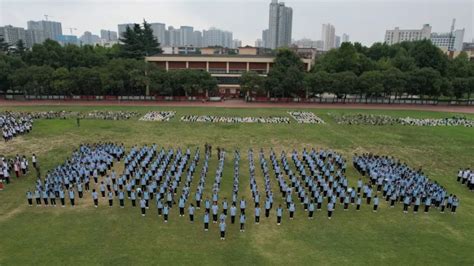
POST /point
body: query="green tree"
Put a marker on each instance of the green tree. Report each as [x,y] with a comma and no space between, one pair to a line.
[251,82]
[4,46]
[138,42]
[60,82]
[318,82]
[394,82]
[371,83]
[287,74]
[427,55]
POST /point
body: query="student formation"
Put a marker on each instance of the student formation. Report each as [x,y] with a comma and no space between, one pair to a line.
[296,184]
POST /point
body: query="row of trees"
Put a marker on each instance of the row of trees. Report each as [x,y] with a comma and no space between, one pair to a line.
[405,69]
[52,69]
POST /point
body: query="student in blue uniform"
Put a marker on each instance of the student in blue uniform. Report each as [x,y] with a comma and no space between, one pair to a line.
[224,206]
[233,212]
[257,214]
[215,209]
[358,202]
[207,205]
[330,209]
[142,206]
[122,199]
[279,214]
[45,198]
[417,205]
[61,198]
[133,197]
[159,206]
[198,200]
[37,198]
[95,198]
[222,229]
[71,196]
[166,210]
[406,203]
[311,210]
[443,204]
[52,198]
[427,204]
[242,206]
[181,206]
[191,212]
[267,208]
[29,197]
[376,203]
[242,222]
[454,205]
[292,210]
[111,198]
[206,221]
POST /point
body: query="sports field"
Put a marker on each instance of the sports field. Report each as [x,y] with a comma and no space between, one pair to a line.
[114,236]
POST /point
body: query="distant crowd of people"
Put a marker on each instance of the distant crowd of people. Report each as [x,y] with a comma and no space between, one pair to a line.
[306,117]
[233,119]
[400,183]
[15,167]
[382,120]
[159,116]
[13,124]
[54,114]
[466,177]
[109,115]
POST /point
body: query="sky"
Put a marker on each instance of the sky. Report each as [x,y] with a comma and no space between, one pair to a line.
[364,20]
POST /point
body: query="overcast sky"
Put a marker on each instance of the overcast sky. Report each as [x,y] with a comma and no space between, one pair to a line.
[364,21]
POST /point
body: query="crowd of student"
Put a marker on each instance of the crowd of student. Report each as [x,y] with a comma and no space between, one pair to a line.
[158,116]
[382,120]
[400,183]
[15,167]
[54,114]
[466,177]
[307,182]
[13,124]
[232,119]
[109,115]
[305,117]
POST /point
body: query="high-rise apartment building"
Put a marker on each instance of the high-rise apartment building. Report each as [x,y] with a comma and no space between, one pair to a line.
[279,25]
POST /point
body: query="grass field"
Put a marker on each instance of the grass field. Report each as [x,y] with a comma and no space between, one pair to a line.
[114,236]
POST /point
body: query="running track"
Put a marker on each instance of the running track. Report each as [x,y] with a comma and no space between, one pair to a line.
[243,104]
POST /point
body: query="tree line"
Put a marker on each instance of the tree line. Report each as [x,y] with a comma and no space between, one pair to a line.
[406,69]
[401,70]
[52,69]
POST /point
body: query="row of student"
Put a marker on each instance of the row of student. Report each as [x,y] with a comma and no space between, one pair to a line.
[19,165]
[466,177]
[232,119]
[13,124]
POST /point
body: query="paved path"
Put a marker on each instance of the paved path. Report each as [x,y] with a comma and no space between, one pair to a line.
[242,104]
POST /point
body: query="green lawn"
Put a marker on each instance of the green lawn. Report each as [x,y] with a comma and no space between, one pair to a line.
[114,236]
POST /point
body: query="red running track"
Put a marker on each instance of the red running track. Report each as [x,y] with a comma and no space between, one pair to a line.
[243,104]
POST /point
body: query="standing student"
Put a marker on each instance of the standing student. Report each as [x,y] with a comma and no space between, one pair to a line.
[267,208]
[206,221]
[215,209]
[330,209]
[181,206]
[191,213]
[222,229]
[71,196]
[358,202]
[45,198]
[29,197]
[142,206]
[455,204]
[292,210]
[417,204]
[133,197]
[279,214]
[198,200]
[159,206]
[233,212]
[443,204]
[52,198]
[122,199]
[33,159]
[111,198]
[427,204]
[406,203]
[207,205]
[242,206]
[376,203]
[95,197]
[166,210]
[61,197]
[257,214]
[37,198]
[242,222]
[311,210]
[224,206]
[102,189]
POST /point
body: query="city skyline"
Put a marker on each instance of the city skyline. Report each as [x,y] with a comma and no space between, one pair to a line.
[203,15]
